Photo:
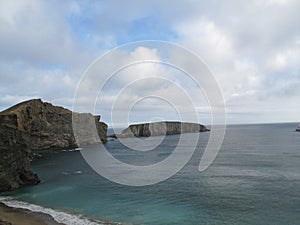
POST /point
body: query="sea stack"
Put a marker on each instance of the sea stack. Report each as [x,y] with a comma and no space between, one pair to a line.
[161,128]
[32,125]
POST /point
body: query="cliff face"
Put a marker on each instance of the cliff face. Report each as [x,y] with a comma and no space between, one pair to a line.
[36,125]
[49,126]
[161,128]
[14,155]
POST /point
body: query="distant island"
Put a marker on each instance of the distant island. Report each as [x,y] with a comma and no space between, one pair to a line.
[160,128]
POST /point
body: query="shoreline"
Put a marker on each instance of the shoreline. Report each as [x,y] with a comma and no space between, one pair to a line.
[18,216]
[14,212]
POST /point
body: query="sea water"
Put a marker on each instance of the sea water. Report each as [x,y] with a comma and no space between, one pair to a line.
[255,179]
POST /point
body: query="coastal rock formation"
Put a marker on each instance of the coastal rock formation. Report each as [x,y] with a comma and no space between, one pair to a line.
[35,125]
[50,126]
[85,130]
[14,156]
[161,128]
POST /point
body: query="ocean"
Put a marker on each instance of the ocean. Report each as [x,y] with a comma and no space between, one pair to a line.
[255,179]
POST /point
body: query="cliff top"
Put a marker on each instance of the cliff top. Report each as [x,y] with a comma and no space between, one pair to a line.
[32,102]
[164,122]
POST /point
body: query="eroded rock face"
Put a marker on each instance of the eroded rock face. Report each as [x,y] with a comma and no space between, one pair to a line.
[37,125]
[161,128]
[14,155]
[85,130]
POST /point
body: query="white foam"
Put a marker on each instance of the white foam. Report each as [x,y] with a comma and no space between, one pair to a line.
[66,173]
[71,150]
[58,216]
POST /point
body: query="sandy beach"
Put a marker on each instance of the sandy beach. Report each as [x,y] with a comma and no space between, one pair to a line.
[15,216]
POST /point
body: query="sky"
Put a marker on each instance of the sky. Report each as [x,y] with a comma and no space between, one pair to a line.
[252,49]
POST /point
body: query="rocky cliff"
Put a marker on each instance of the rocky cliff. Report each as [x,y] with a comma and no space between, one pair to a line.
[14,155]
[161,128]
[34,125]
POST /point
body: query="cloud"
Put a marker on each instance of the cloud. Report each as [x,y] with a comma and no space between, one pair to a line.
[19,82]
[252,47]
[38,33]
[143,81]
[252,52]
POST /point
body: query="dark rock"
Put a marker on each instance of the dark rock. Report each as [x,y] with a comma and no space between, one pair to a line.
[14,156]
[4,222]
[33,125]
[114,136]
[161,128]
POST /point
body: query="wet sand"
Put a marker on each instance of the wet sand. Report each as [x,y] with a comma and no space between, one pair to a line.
[15,216]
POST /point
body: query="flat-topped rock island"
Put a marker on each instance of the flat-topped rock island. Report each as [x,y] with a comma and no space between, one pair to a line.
[161,128]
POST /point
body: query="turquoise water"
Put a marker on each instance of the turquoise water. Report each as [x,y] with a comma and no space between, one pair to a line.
[254,180]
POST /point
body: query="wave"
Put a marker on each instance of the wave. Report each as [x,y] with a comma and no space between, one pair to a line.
[58,216]
[71,150]
[76,172]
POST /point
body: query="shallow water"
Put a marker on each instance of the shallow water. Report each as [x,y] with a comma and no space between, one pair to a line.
[255,179]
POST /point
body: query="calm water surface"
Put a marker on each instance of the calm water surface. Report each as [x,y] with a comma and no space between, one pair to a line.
[255,179]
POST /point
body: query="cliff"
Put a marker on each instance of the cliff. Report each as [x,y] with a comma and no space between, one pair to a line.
[161,128]
[34,125]
[14,156]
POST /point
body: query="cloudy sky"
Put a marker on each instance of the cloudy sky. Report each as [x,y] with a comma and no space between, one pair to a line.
[251,47]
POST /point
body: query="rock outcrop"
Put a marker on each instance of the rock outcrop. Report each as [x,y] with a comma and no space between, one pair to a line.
[161,128]
[14,155]
[35,125]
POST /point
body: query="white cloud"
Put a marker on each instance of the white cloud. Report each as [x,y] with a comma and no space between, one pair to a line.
[37,33]
[143,80]
[206,39]
[7,100]
[278,62]
[249,51]
[252,48]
